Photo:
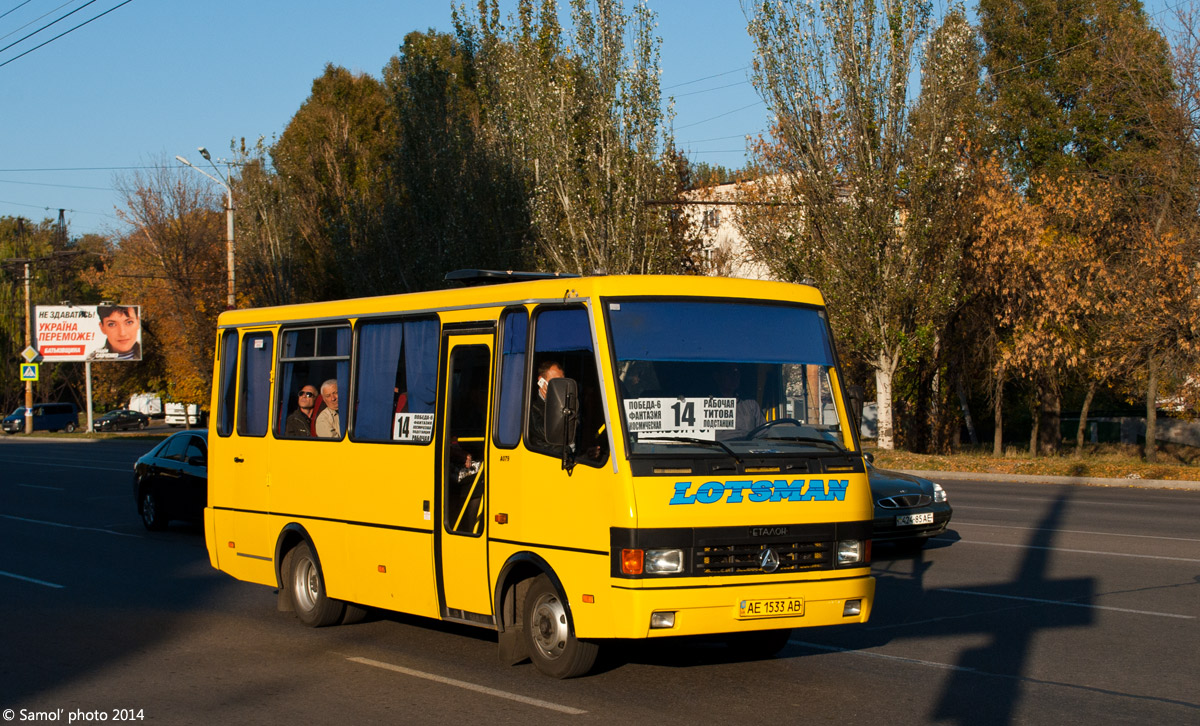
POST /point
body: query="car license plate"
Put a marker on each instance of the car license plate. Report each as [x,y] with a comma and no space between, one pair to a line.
[905,520]
[777,608]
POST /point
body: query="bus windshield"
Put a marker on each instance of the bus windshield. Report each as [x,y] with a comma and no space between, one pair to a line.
[725,377]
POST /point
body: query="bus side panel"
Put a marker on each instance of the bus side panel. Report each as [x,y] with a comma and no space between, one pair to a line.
[554,515]
[370,515]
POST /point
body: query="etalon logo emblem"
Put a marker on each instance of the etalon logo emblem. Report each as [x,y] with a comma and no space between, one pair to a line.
[769,560]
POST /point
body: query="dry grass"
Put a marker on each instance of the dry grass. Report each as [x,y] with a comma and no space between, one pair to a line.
[1106,460]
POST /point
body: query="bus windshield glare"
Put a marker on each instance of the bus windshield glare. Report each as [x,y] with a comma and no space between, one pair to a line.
[732,377]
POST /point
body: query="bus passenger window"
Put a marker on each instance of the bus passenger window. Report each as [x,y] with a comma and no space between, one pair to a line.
[257,352]
[228,382]
[396,382]
[309,359]
[563,346]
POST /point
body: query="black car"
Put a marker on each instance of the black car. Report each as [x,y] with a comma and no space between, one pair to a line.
[908,509]
[171,480]
[121,419]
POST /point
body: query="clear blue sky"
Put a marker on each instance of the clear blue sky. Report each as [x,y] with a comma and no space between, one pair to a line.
[162,77]
[156,78]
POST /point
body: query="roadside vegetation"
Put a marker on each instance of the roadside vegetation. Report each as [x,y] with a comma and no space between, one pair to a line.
[1114,461]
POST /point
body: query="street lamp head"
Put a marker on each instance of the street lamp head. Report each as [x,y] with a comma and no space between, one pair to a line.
[204,152]
[182,160]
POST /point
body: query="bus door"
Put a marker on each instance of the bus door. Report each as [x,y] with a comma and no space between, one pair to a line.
[462,486]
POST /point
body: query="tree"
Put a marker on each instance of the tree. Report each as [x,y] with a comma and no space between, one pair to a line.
[56,274]
[581,118]
[334,160]
[172,263]
[836,77]
[462,203]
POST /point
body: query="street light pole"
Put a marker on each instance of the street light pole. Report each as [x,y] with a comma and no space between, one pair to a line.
[230,303]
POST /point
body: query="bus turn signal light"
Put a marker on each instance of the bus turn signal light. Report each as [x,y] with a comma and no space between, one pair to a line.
[632,562]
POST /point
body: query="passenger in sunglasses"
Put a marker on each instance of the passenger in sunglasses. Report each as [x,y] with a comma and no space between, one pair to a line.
[299,422]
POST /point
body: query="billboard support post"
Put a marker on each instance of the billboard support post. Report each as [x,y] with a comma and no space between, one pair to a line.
[87,374]
[28,337]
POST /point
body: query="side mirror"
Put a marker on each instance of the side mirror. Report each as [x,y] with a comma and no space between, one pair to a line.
[562,411]
[857,397]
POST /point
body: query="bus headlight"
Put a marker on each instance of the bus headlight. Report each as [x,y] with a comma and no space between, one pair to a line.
[851,552]
[664,562]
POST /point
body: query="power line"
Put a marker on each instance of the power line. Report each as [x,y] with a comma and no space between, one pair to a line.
[77,27]
[61,186]
[16,8]
[715,75]
[713,118]
[47,25]
[715,88]
[91,168]
[31,22]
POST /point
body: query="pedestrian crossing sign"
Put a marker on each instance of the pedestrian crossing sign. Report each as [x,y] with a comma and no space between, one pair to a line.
[29,371]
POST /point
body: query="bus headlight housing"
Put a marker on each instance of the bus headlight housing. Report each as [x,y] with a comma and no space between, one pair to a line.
[853,552]
[664,562]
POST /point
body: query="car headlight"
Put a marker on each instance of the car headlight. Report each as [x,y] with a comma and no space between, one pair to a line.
[939,494]
[664,562]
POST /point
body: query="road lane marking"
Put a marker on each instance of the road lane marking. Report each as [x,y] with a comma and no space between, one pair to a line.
[1064,549]
[69,526]
[990,509]
[30,579]
[470,686]
[1067,603]
[1077,531]
[36,486]
[992,674]
[60,465]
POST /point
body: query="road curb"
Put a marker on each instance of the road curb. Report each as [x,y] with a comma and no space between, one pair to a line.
[1093,481]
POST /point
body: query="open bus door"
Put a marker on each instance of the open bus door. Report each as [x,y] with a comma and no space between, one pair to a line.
[463,581]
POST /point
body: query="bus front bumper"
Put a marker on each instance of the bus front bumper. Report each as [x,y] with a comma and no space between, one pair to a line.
[653,611]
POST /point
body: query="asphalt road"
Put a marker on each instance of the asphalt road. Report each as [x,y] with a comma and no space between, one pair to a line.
[1044,604]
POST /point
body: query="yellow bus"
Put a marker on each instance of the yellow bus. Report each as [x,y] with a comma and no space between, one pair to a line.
[564,460]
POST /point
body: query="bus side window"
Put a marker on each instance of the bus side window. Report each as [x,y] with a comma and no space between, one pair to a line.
[228,371]
[395,393]
[515,327]
[311,356]
[258,351]
[564,336]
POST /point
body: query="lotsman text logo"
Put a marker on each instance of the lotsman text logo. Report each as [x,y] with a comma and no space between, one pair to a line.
[763,490]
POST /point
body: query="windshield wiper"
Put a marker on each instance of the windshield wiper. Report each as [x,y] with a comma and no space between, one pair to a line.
[803,439]
[692,440]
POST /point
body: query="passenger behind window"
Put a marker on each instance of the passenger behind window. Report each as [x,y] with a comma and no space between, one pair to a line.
[299,422]
[328,425]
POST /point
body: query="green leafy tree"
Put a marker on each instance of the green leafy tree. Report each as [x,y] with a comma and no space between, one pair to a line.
[580,116]
[836,77]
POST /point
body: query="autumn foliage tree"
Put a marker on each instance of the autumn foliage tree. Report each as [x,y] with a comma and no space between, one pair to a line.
[171,261]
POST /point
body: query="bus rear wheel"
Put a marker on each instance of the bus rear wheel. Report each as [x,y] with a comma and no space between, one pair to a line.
[553,647]
[307,587]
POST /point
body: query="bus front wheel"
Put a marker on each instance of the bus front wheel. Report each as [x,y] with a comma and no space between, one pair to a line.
[553,647]
[307,585]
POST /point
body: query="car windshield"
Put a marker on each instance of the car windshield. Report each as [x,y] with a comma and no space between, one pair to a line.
[19,412]
[730,378]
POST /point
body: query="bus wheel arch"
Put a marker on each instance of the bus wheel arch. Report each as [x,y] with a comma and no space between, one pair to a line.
[302,581]
[534,620]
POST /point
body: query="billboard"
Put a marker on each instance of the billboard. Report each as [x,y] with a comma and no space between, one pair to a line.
[66,333]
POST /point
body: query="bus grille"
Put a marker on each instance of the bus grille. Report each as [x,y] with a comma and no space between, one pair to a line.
[746,559]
